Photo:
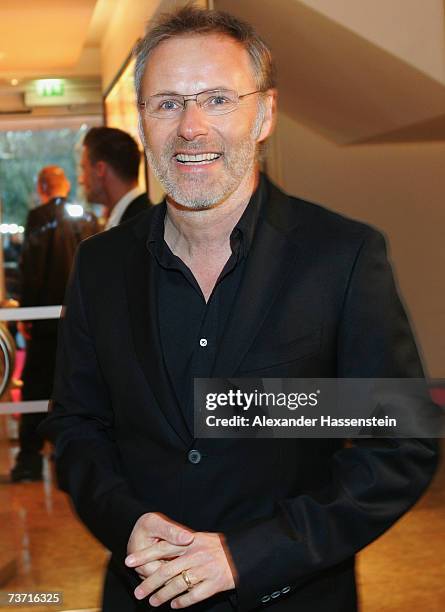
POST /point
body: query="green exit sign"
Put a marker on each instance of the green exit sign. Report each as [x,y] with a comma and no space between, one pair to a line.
[50,88]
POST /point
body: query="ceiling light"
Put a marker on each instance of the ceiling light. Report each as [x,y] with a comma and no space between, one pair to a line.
[14,82]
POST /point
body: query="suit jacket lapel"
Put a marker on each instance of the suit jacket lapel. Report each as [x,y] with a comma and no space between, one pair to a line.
[272,252]
[143,304]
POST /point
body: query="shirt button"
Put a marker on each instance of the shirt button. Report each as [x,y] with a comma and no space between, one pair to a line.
[194,456]
[203,342]
[265,599]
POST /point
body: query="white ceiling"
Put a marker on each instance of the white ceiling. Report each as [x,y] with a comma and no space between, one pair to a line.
[44,34]
[51,38]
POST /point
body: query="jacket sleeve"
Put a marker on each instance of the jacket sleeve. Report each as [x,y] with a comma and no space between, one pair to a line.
[33,259]
[373,481]
[80,424]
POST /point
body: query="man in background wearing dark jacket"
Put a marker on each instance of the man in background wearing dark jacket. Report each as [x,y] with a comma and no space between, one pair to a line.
[109,174]
[53,231]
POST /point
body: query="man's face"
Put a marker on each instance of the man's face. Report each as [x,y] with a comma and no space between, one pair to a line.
[90,179]
[188,65]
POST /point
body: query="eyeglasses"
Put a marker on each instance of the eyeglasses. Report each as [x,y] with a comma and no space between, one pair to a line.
[212,102]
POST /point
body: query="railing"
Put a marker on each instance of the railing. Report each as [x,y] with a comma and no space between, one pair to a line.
[7,354]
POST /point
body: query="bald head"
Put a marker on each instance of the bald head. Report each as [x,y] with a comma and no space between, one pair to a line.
[52,183]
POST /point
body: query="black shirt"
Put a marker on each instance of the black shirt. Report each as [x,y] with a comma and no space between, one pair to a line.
[191,329]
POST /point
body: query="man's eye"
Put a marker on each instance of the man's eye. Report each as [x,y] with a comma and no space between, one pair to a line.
[217,101]
[168,105]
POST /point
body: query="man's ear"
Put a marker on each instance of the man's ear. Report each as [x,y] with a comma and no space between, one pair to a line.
[270,114]
[101,168]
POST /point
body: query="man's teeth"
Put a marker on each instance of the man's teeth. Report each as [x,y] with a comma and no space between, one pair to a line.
[203,158]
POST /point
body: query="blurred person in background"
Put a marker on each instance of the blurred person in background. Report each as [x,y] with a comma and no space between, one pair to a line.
[109,174]
[53,231]
[12,248]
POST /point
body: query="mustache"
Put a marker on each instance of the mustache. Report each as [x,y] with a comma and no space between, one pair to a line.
[178,144]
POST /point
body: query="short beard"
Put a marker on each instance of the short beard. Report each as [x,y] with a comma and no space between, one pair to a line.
[238,164]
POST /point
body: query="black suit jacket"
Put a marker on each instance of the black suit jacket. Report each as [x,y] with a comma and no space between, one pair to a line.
[317,300]
[135,207]
[51,240]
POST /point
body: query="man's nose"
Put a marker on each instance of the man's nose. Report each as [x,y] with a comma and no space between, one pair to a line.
[193,121]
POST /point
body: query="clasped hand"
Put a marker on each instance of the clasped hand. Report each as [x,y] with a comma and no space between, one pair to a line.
[176,563]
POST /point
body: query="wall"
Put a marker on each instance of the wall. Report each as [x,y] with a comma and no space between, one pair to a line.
[409,29]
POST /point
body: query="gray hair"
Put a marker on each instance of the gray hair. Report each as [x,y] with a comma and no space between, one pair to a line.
[191,19]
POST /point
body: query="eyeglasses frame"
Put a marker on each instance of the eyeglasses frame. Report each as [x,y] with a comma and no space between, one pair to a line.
[142,104]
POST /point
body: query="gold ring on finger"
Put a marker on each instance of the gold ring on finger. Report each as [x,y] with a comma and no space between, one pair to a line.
[187,580]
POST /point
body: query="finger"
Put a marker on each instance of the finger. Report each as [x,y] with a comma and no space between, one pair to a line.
[144,571]
[138,542]
[201,591]
[166,573]
[155,552]
[175,587]
[166,529]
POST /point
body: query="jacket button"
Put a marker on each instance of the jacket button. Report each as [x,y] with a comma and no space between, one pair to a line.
[275,594]
[285,590]
[265,599]
[194,456]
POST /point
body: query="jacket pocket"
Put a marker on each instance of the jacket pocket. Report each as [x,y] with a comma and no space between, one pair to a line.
[303,346]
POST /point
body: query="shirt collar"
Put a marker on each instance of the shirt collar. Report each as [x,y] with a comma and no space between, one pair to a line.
[246,226]
[120,207]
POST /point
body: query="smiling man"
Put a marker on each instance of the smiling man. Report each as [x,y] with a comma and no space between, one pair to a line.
[229,277]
